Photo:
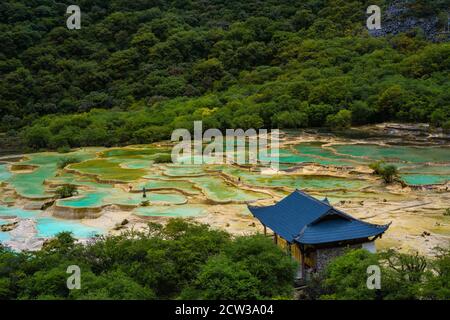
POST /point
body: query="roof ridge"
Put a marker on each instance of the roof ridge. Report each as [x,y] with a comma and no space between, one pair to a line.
[312,198]
[336,212]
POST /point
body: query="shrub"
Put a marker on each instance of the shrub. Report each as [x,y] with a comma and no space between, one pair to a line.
[66,161]
[389,173]
[163,158]
[66,191]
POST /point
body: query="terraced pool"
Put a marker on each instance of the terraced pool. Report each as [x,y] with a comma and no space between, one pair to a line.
[31,184]
[47,227]
[218,190]
[186,186]
[395,153]
[4,173]
[85,200]
[4,236]
[16,212]
[425,179]
[363,154]
[123,171]
[297,181]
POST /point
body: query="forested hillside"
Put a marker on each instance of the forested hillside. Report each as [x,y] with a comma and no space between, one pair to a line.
[138,69]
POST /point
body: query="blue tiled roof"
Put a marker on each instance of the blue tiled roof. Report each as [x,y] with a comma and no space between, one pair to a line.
[289,216]
[338,230]
[304,219]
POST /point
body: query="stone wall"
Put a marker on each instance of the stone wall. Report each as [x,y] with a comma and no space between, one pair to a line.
[324,256]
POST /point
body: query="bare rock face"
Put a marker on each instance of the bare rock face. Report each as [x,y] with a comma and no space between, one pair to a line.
[23,237]
[399,17]
[33,205]
[8,227]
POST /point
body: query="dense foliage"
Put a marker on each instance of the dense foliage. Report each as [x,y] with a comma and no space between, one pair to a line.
[181,259]
[136,70]
[403,277]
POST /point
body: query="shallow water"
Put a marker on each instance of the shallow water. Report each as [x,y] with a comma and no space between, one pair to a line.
[137,198]
[20,213]
[401,156]
[107,169]
[326,156]
[85,200]
[4,236]
[32,184]
[402,153]
[49,227]
[167,184]
[101,197]
[177,171]
[4,173]
[297,181]
[424,179]
[133,165]
[217,189]
[137,164]
[441,170]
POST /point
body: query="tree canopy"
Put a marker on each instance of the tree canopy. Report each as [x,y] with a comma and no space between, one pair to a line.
[137,70]
[178,260]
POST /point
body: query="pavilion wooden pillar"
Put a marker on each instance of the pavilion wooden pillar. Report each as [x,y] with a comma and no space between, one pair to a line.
[265,230]
[302,254]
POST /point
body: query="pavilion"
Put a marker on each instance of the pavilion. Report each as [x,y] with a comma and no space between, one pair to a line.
[314,232]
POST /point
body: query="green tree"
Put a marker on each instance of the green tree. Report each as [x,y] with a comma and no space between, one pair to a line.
[294,119]
[66,191]
[339,121]
[222,279]
[389,173]
[248,122]
[64,162]
[204,73]
[346,276]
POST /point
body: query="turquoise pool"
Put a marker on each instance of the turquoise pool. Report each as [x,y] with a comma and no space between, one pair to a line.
[3,221]
[4,173]
[424,179]
[20,213]
[215,188]
[125,198]
[49,227]
[402,153]
[325,156]
[32,184]
[85,200]
[4,236]
[296,181]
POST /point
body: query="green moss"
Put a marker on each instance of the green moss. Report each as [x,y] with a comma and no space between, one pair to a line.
[108,170]
[131,153]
